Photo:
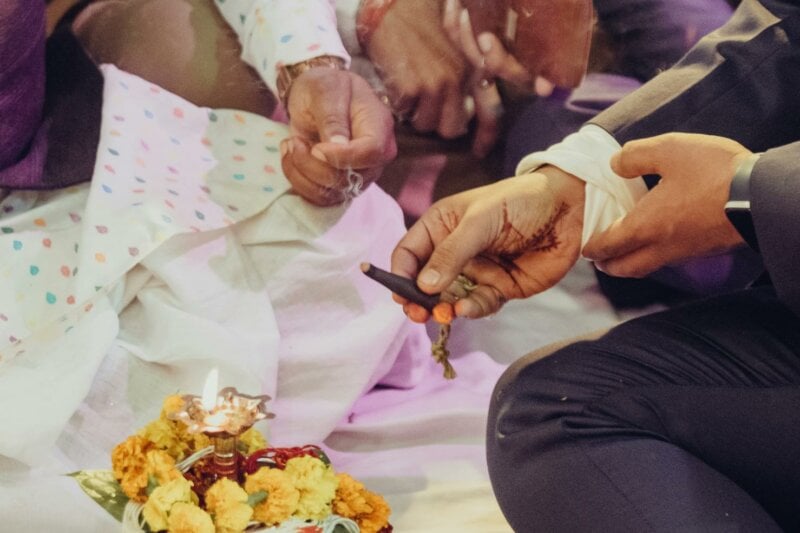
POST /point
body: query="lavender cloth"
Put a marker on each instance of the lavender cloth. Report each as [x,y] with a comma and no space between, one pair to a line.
[23,145]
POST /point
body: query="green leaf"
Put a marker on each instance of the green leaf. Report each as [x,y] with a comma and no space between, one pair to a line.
[324,457]
[256,498]
[101,486]
[152,484]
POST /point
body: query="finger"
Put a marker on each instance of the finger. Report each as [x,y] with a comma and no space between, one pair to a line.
[416,313]
[429,107]
[640,157]
[466,38]
[543,87]
[483,301]
[412,251]
[449,256]
[624,236]
[489,110]
[310,178]
[637,264]
[454,117]
[450,19]
[364,152]
[498,62]
[331,112]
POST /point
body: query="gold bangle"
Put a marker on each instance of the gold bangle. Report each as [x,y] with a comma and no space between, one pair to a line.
[288,73]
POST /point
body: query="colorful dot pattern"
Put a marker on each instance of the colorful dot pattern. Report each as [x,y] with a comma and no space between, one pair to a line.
[164,167]
[283,32]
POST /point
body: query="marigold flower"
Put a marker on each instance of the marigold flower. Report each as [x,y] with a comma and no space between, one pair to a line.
[232,518]
[282,496]
[224,492]
[316,483]
[129,463]
[161,467]
[369,510]
[160,502]
[164,434]
[253,440]
[189,518]
[172,404]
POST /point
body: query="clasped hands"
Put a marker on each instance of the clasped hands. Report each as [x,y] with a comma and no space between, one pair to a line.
[520,236]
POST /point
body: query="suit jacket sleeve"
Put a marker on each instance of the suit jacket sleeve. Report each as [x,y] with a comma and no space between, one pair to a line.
[741,82]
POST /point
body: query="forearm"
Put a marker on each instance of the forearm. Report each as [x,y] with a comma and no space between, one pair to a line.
[283,32]
[739,82]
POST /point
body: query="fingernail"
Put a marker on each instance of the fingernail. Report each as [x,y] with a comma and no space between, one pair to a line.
[543,87]
[339,139]
[485,42]
[317,153]
[464,17]
[429,276]
[450,6]
[284,148]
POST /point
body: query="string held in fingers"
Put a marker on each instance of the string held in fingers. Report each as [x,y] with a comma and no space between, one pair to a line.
[405,287]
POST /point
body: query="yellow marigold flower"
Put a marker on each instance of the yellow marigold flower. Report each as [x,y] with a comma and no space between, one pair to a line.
[159,504]
[316,483]
[224,492]
[253,440]
[282,496]
[172,404]
[189,518]
[354,501]
[129,462]
[164,434]
[161,466]
[232,518]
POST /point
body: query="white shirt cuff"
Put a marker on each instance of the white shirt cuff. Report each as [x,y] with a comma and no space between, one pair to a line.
[586,155]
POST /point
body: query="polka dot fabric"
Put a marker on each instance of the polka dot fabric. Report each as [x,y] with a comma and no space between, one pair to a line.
[164,167]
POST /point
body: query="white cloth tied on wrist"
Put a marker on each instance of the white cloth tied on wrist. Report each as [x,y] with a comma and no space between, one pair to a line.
[587,155]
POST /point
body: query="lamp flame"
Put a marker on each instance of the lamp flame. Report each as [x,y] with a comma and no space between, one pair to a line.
[210,389]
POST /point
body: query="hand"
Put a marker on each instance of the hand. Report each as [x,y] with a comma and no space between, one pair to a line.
[683,216]
[342,136]
[425,76]
[487,53]
[514,238]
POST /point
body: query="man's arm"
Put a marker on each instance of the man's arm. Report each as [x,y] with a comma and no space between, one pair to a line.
[740,82]
[775,204]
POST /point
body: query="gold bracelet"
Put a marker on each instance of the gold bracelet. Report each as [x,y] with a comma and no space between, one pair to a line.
[288,73]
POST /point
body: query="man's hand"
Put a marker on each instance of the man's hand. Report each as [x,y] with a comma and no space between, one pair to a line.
[422,71]
[514,238]
[342,136]
[683,216]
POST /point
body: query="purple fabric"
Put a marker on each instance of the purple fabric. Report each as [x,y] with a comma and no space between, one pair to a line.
[23,144]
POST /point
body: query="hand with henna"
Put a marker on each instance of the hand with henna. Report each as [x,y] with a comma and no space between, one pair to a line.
[514,238]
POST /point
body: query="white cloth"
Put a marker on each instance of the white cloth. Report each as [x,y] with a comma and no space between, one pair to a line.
[586,154]
[178,252]
[283,32]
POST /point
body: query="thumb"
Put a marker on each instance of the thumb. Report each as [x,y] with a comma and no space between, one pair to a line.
[332,114]
[637,158]
[450,256]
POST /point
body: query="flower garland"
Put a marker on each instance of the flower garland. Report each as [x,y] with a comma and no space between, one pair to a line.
[278,483]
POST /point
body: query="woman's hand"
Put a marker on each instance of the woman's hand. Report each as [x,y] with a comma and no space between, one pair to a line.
[514,238]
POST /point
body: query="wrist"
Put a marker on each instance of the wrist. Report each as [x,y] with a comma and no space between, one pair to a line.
[287,74]
[369,17]
[567,189]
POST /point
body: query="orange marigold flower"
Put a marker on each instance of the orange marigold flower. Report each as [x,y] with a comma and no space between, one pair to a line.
[282,496]
[366,508]
[172,404]
[129,463]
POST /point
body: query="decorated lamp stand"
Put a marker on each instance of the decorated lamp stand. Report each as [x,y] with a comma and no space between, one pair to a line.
[222,416]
